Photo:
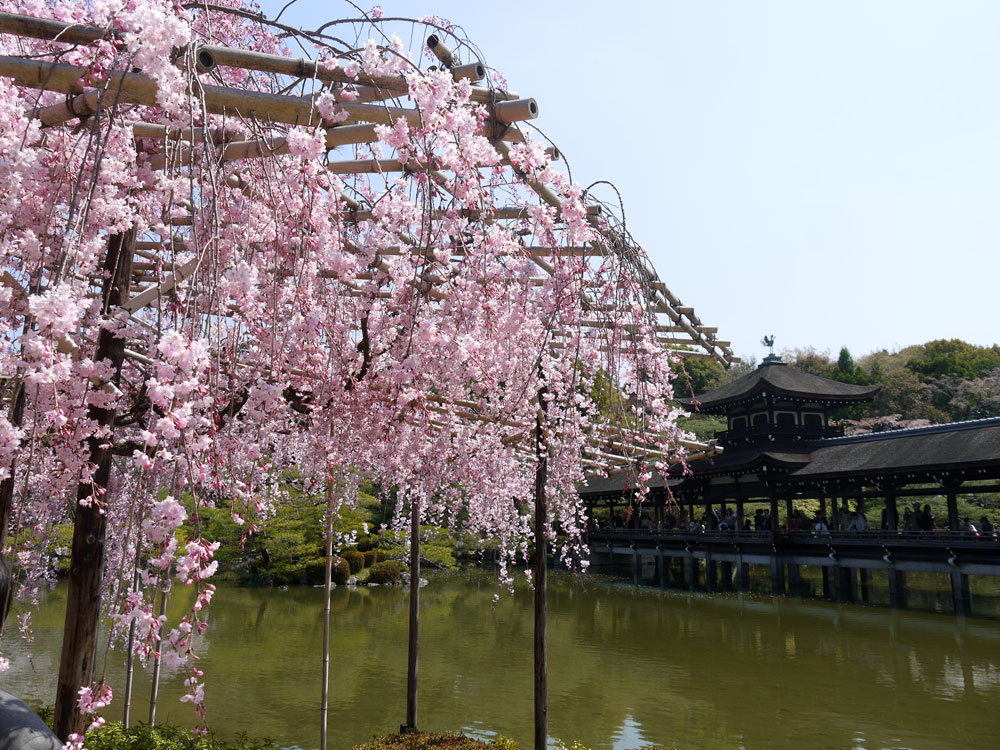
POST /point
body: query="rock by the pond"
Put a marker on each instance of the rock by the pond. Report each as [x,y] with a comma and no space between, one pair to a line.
[352,581]
[423,582]
[404,577]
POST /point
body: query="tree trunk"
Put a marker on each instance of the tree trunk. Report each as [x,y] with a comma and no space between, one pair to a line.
[83,599]
[414,634]
[540,573]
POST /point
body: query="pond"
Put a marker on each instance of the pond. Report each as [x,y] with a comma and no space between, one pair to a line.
[627,667]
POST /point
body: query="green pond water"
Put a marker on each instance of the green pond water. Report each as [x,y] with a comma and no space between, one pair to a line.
[627,667]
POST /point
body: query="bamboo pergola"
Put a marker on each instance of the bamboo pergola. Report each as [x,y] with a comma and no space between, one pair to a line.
[156,266]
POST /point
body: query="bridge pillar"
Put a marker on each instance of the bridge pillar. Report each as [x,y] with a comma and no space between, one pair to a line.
[846,583]
[743,576]
[662,563]
[711,573]
[611,560]
[777,576]
[866,585]
[727,576]
[690,572]
[960,594]
[897,589]
[828,583]
[636,567]
[794,580]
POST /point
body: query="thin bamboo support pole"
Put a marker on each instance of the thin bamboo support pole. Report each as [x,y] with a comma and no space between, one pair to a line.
[414,631]
[154,688]
[325,691]
[540,580]
[83,598]
[130,658]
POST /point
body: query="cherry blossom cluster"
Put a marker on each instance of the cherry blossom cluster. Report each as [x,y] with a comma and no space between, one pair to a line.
[392,325]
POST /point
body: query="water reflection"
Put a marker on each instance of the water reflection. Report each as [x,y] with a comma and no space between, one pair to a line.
[627,668]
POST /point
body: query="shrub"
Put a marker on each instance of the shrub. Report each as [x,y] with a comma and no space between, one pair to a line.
[341,571]
[385,572]
[424,741]
[114,736]
[365,543]
[370,558]
[381,555]
[355,559]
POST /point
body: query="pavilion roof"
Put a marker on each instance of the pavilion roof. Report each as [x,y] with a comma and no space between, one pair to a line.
[958,445]
[778,379]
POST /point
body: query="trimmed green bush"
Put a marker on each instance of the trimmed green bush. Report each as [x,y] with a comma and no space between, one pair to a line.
[370,558]
[341,571]
[114,736]
[424,741]
[381,555]
[385,572]
[355,559]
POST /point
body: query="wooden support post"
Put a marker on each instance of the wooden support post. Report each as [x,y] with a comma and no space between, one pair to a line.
[829,588]
[727,576]
[897,588]
[866,585]
[891,511]
[86,574]
[774,515]
[788,513]
[777,576]
[822,504]
[794,580]
[711,573]
[740,518]
[951,488]
[636,567]
[743,577]
[960,594]
[663,561]
[690,572]
[835,509]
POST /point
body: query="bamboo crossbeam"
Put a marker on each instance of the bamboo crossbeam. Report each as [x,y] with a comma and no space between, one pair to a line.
[138,88]
[145,297]
[58,31]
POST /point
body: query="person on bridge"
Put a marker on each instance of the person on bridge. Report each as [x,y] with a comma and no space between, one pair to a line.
[669,521]
[820,527]
[858,522]
[926,520]
[986,528]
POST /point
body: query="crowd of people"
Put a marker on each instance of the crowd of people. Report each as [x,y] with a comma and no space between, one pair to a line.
[916,519]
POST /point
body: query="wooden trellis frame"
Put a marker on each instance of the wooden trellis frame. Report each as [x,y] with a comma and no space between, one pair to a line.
[676,325]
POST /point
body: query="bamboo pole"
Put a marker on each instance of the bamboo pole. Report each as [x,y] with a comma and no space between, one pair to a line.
[414,631]
[130,657]
[540,580]
[154,689]
[325,691]
[83,599]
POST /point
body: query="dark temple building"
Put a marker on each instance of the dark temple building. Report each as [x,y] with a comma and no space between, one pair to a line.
[780,447]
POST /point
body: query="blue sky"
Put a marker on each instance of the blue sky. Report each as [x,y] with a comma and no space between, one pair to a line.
[828,172]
